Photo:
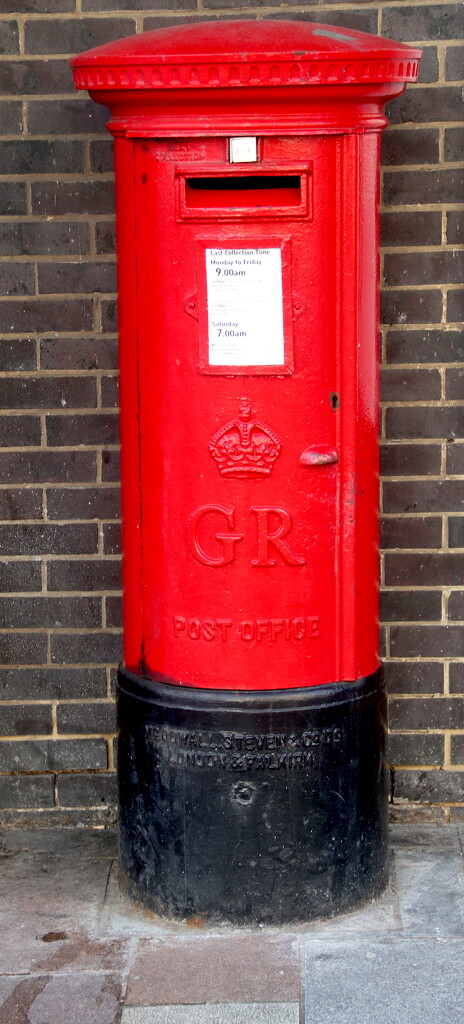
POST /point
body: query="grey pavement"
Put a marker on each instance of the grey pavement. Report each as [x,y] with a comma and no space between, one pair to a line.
[74,950]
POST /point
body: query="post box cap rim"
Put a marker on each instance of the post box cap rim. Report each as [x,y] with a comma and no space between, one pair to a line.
[245,42]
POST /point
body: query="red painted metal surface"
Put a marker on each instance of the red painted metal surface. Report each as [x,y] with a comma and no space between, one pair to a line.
[248,338]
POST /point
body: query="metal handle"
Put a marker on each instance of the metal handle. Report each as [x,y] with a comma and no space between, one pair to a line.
[318,455]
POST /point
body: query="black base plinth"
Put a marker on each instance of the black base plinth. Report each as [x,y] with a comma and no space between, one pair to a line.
[252,807]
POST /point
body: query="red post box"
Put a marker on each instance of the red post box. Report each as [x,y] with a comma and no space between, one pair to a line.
[251,708]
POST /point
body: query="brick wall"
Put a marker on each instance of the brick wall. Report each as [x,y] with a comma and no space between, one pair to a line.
[59,532]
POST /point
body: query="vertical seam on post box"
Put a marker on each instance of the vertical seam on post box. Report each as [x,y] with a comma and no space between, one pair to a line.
[140,503]
[349,283]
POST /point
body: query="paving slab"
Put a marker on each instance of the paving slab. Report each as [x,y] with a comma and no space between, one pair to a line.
[410,981]
[40,895]
[93,843]
[89,998]
[431,892]
[425,837]
[224,1013]
[216,969]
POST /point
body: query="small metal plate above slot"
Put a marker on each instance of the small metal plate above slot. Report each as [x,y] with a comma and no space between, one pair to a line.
[243,150]
[318,455]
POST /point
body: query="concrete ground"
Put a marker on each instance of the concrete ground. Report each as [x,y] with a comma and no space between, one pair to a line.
[74,951]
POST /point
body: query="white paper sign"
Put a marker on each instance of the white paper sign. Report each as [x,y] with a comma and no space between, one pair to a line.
[245,314]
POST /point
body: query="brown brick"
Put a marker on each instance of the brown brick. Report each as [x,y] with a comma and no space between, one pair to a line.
[404,748]
[111,538]
[410,459]
[9,36]
[17,279]
[77,277]
[25,719]
[52,683]
[414,187]
[11,118]
[111,470]
[97,717]
[19,431]
[411,23]
[455,305]
[410,532]
[411,306]
[426,712]
[423,421]
[109,392]
[414,676]
[410,606]
[16,503]
[17,354]
[409,385]
[455,227]
[85,574]
[50,612]
[455,384]
[35,76]
[439,346]
[105,237]
[73,353]
[23,649]
[46,315]
[424,268]
[26,791]
[13,198]
[92,429]
[41,156]
[47,392]
[113,612]
[86,648]
[58,198]
[421,228]
[101,156]
[444,103]
[19,576]
[87,789]
[456,532]
[59,116]
[454,144]
[49,538]
[428,642]
[433,786]
[454,63]
[457,752]
[83,503]
[44,466]
[428,67]
[427,568]
[70,36]
[456,677]
[423,496]
[109,315]
[35,238]
[122,5]
[53,755]
[456,606]
[38,6]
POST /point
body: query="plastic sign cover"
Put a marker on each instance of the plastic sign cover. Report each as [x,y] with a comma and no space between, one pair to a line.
[245,307]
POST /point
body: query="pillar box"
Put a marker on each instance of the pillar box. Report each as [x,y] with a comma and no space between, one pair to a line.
[251,705]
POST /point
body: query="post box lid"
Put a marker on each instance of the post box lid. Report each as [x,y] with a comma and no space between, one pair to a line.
[245,53]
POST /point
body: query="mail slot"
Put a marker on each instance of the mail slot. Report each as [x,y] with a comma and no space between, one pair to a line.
[251,704]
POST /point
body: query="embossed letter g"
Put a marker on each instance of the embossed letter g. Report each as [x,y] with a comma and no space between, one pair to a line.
[227,540]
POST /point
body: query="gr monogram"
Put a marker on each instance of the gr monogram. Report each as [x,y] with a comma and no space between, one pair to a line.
[212,535]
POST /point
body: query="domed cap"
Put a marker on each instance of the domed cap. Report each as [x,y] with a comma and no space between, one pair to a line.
[236,54]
